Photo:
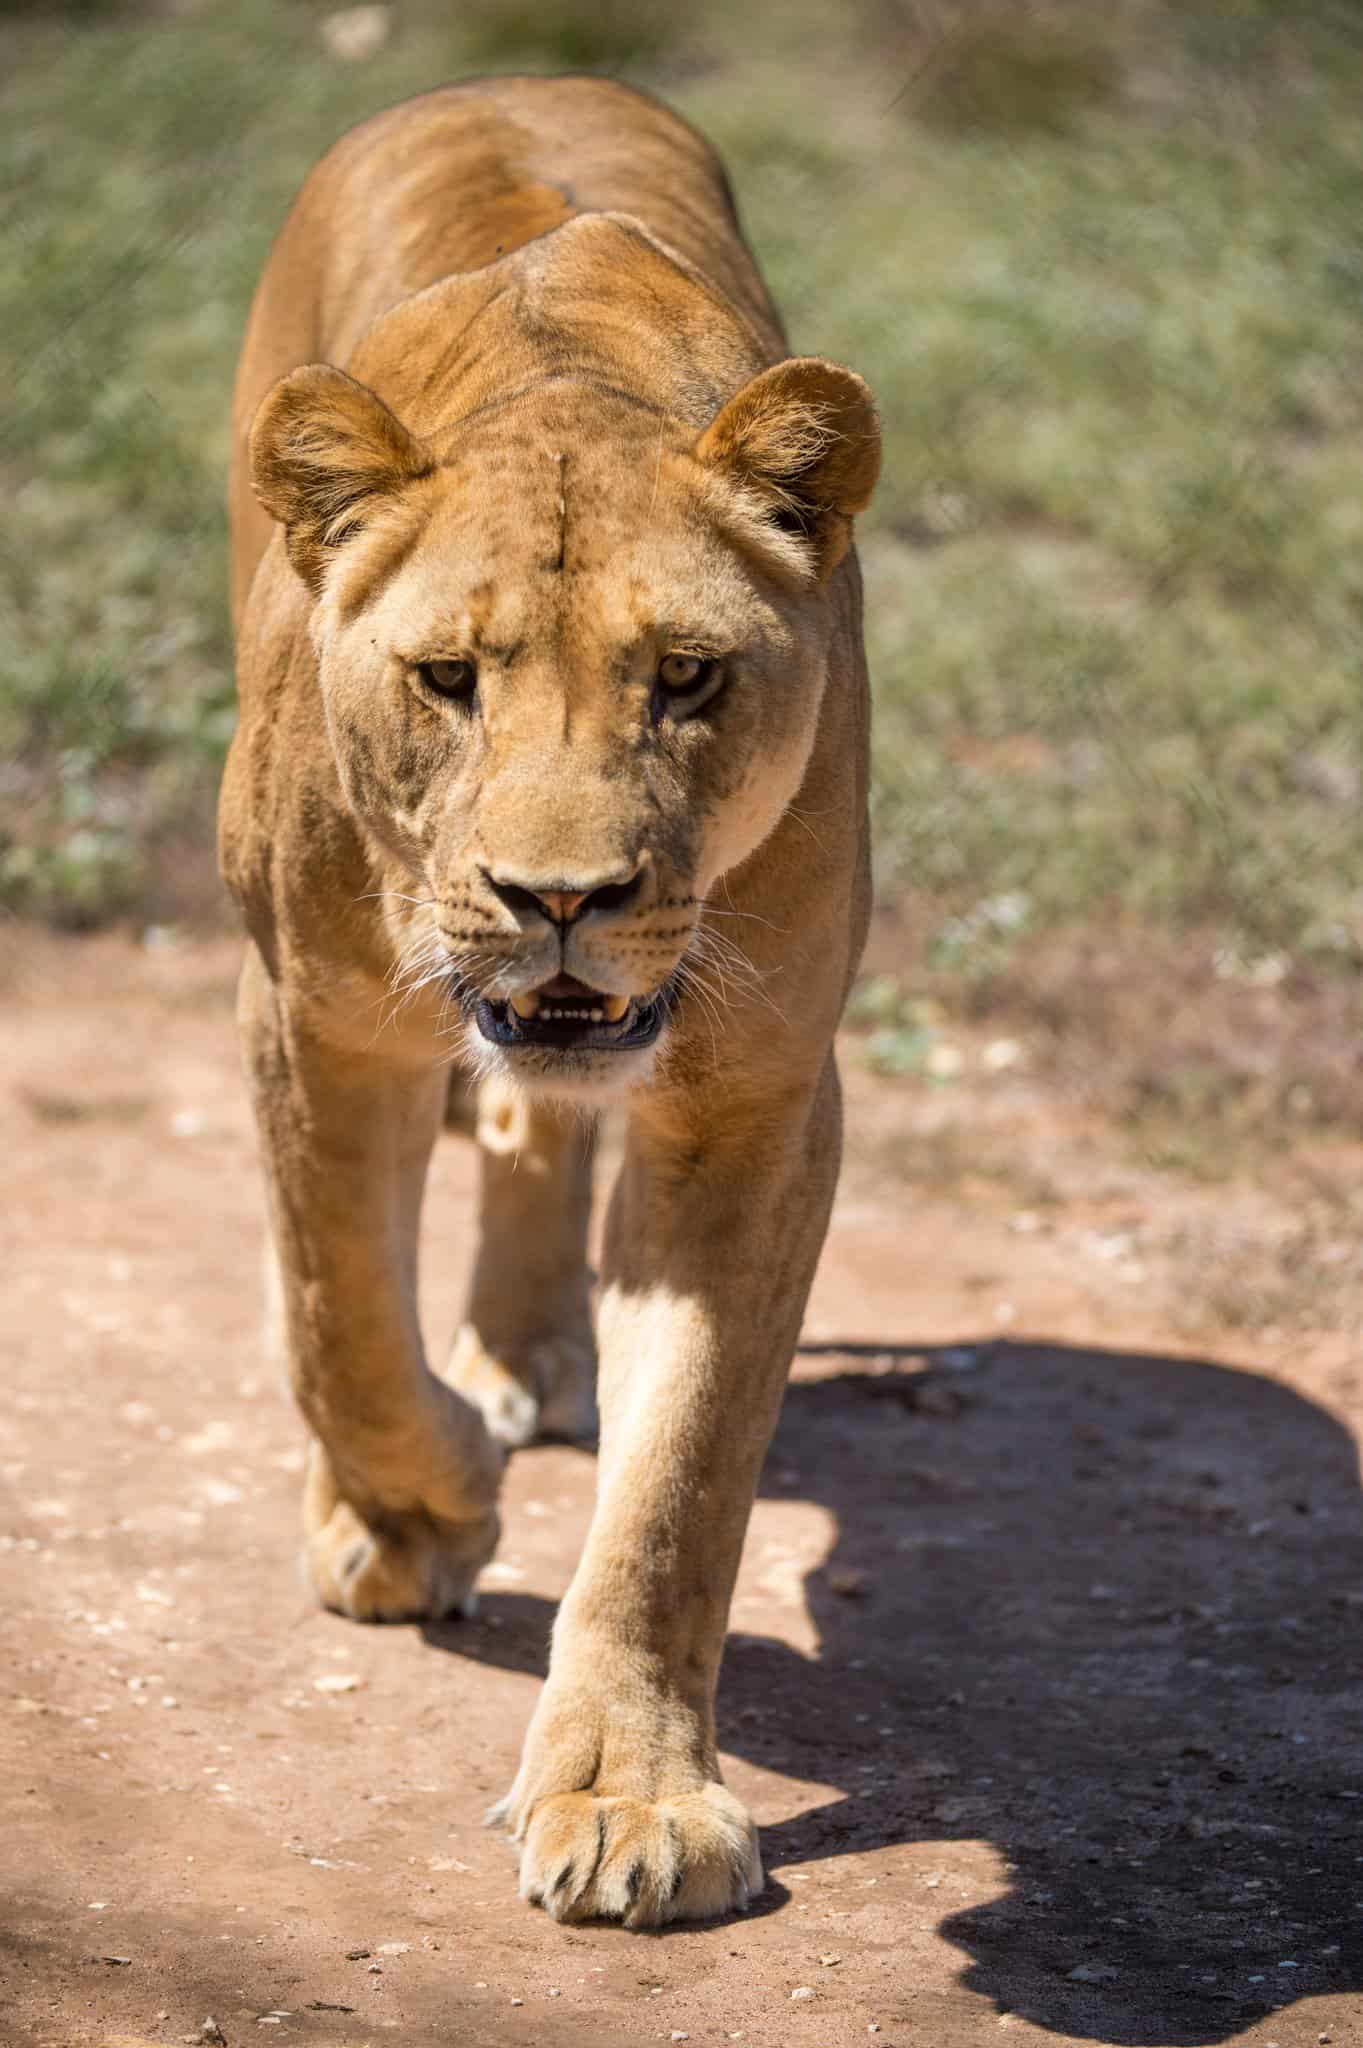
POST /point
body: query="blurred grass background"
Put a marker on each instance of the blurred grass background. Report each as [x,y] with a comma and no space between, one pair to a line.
[1104,270]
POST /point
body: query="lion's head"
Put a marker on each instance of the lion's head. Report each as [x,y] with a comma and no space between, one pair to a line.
[571,652]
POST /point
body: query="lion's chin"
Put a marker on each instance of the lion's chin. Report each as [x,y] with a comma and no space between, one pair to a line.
[590,1078]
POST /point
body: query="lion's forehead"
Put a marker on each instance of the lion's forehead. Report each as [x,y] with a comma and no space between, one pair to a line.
[600,577]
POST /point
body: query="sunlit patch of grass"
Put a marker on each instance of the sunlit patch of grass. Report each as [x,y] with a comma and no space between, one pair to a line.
[1104,273]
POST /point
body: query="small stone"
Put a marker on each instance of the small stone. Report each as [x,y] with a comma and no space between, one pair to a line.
[394,1948]
[829,1962]
[358,1955]
[944,1062]
[357,33]
[121,1962]
[338,1681]
[677,2035]
[1092,1973]
[211,2031]
[802,1991]
[518,2001]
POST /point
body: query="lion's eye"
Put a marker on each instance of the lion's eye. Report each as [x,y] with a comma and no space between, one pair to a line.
[683,672]
[448,678]
[684,684]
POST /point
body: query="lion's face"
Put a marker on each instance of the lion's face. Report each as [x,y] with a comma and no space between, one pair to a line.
[571,673]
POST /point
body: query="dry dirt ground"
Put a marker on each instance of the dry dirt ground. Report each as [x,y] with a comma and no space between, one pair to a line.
[1044,1681]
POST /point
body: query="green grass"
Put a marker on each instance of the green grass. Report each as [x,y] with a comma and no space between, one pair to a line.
[1107,282]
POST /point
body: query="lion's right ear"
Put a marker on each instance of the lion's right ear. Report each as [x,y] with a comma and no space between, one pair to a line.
[324,451]
[803,436]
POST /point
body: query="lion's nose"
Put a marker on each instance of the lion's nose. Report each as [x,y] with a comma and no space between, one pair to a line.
[564,902]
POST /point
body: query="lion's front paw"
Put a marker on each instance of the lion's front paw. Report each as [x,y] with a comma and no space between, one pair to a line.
[548,1392]
[405,1566]
[592,1856]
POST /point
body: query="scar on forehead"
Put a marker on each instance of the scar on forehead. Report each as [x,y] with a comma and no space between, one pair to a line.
[562,461]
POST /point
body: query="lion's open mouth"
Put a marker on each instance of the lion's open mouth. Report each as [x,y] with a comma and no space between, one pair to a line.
[570,1017]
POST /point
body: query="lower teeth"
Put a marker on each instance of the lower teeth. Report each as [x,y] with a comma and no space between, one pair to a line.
[549,1012]
[528,1008]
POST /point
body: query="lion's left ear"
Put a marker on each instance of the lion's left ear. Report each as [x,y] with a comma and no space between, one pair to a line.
[805,437]
[325,451]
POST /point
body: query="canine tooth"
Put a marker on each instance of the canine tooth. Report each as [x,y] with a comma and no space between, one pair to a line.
[525,1006]
[614,1007]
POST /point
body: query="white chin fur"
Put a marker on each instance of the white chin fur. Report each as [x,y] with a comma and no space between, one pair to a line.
[598,1077]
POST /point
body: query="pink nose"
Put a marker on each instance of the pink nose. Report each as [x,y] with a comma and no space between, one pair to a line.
[563,909]
[560,902]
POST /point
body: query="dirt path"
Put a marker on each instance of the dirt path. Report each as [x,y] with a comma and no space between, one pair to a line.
[1044,1682]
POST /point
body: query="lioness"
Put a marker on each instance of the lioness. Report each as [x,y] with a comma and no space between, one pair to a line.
[552,762]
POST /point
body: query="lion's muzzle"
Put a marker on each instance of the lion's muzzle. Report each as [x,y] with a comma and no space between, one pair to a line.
[567,1016]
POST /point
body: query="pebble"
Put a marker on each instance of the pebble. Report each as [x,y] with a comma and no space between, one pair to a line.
[338,1681]
[358,1955]
[945,1062]
[357,33]
[802,1991]
[1092,1973]
[211,2031]
[829,1961]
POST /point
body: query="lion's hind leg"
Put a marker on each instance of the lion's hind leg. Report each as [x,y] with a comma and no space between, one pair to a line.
[525,1354]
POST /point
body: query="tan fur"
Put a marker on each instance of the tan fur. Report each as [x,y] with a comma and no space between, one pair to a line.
[513,394]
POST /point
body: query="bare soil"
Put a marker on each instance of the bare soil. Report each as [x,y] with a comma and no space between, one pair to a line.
[1044,1680]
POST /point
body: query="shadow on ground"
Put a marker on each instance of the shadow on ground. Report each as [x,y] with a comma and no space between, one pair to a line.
[1111,1607]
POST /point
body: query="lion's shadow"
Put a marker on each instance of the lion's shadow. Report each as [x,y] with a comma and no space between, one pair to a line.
[1110,1605]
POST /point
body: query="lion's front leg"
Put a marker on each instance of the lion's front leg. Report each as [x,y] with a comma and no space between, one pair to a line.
[618,1806]
[399,1510]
